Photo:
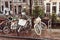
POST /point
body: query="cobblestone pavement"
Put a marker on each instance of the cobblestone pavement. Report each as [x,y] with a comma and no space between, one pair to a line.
[10,39]
[24,34]
[55,34]
[49,33]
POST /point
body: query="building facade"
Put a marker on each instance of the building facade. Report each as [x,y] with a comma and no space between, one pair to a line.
[16,6]
[0,5]
[13,6]
[52,6]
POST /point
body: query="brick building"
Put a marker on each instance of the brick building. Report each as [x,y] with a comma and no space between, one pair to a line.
[16,6]
[52,6]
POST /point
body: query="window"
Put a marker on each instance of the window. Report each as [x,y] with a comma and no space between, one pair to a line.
[15,0]
[48,7]
[10,5]
[19,0]
[59,10]
[34,2]
[54,9]
[24,0]
[19,9]
[6,4]
[59,7]
[54,3]
[2,7]
[10,1]
[15,10]
[40,2]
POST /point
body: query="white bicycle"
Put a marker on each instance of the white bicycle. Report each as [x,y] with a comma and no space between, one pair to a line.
[39,26]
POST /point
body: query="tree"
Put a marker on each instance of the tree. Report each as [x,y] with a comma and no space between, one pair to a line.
[38,11]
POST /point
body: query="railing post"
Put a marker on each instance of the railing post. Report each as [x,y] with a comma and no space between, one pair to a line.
[49,24]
